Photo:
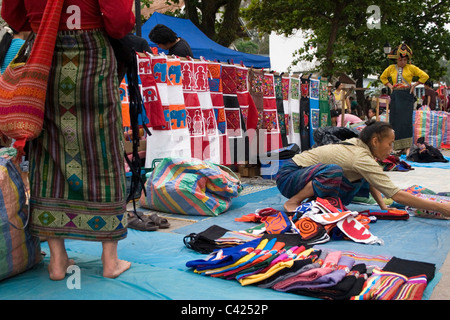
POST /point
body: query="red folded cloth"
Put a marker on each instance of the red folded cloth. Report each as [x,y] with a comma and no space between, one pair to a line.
[391,214]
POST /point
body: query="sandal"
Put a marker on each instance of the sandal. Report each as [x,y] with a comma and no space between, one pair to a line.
[136,223]
[162,223]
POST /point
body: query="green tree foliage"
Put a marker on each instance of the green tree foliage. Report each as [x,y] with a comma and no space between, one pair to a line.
[218,19]
[348,37]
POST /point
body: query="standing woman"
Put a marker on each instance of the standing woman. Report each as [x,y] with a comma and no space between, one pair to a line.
[402,97]
[77,177]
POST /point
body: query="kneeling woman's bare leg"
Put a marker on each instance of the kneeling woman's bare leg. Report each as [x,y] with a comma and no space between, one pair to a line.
[297,199]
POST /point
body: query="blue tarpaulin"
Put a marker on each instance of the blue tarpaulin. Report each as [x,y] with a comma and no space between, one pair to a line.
[159,272]
[201,45]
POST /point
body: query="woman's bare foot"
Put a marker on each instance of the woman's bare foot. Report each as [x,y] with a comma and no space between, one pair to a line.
[114,269]
[112,265]
[57,268]
[290,206]
[59,261]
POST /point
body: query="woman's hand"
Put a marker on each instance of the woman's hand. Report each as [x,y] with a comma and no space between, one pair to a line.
[413,88]
[445,209]
[410,200]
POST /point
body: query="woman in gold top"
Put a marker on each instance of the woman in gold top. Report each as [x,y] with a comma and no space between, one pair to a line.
[345,169]
[398,77]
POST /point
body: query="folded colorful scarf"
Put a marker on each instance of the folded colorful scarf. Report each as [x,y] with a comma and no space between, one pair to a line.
[382,285]
[308,270]
[222,257]
[307,278]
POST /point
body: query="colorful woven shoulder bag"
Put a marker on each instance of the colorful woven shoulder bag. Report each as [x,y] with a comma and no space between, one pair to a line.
[23,85]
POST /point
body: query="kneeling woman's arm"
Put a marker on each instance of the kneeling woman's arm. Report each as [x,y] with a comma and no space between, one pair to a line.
[410,200]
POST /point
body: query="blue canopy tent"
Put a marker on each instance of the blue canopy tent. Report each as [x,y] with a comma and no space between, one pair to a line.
[201,45]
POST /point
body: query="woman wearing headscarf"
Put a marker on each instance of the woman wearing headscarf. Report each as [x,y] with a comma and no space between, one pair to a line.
[398,77]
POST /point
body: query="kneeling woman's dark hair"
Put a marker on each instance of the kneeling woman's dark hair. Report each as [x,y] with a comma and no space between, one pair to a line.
[161,34]
[379,128]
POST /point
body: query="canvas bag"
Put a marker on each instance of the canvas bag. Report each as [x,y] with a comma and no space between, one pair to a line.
[191,187]
[19,250]
[23,85]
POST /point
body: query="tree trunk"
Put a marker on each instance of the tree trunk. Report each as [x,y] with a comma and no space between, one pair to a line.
[230,25]
[359,78]
[335,24]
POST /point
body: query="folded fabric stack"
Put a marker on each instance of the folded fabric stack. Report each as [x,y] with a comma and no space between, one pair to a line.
[277,263]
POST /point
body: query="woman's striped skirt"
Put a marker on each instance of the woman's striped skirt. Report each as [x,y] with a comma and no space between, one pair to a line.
[77,176]
[328,180]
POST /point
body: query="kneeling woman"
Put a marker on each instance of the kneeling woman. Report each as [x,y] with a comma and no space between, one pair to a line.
[346,169]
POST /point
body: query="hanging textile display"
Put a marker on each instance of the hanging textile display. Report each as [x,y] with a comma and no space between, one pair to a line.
[235,122]
[200,116]
[314,86]
[285,86]
[211,141]
[172,139]
[304,113]
[124,98]
[280,109]
[324,107]
[256,79]
[248,111]
[294,108]
[150,95]
[216,91]
[270,115]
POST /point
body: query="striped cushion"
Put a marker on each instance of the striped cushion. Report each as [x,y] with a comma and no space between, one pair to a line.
[191,187]
[19,250]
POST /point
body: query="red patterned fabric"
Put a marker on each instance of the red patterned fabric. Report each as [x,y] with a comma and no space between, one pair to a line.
[115,16]
[23,87]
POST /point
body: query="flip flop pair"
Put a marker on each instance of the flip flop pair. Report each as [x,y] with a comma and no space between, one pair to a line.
[144,222]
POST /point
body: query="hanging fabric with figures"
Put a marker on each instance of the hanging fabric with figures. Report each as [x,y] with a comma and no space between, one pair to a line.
[150,95]
[270,115]
[285,86]
[305,113]
[280,109]
[314,86]
[216,91]
[324,107]
[201,120]
[212,143]
[294,107]
[172,139]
